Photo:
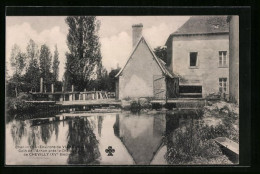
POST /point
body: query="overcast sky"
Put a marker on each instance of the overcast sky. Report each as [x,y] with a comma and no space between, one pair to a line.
[115,35]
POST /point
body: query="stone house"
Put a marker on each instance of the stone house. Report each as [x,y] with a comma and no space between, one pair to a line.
[145,75]
[233,58]
[198,52]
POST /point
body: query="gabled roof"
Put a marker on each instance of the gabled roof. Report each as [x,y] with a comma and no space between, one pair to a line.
[160,62]
[204,25]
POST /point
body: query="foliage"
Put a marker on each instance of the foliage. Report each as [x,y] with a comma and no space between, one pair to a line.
[45,64]
[18,60]
[228,113]
[84,56]
[82,142]
[193,145]
[32,74]
[18,104]
[161,52]
[36,65]
[113,79]
[55,65]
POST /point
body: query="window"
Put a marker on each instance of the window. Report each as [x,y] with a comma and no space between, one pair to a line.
[193,59]
[223,85]
[222,58]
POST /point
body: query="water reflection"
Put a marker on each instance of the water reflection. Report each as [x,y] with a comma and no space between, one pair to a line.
[46,131]
[34,136]
[140,139]
[17,131]
[82,142]
[141,135]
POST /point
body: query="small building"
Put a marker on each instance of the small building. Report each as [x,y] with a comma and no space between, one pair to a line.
[198,52]
[233,58]
[145,75]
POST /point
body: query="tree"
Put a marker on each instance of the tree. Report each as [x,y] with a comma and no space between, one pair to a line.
[45,64]
[55,65]
[161,52]
[84,57]
[18,60]
[32,75]
[113,79]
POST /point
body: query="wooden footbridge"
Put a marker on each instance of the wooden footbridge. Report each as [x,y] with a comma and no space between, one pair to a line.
[86,98]
[73,98]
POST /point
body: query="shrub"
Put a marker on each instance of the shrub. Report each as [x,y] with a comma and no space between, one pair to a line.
[18,104]
[193,144]
[135,106]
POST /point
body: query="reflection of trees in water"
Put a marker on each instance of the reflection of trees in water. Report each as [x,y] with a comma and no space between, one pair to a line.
[100,121]
[82,142]
[46,132]
[18,129]
[33,136]
[56,129]
[9,117]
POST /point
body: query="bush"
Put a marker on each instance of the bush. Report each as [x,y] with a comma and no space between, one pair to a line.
[135,106]
[228,113]
[193,144]
[18,104]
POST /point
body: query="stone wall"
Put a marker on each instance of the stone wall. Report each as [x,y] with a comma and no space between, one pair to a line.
[208,72]
[136,80]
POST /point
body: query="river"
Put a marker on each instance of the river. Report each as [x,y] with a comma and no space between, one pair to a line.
[135,139]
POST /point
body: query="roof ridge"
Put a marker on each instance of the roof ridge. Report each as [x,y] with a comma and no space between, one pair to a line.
[203,25]
[163,69]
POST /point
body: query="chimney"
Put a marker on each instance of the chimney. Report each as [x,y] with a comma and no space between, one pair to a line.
[136,32]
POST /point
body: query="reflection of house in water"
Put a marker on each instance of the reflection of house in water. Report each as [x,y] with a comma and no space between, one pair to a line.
[142,136]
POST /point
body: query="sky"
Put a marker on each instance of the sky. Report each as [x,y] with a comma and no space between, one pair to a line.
[115,35]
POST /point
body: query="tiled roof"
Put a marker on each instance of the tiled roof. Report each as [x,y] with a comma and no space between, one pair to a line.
[204,25]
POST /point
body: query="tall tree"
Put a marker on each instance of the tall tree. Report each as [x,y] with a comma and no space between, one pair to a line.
[45,65]
[84,57]
[32,75]
[18,60]
[55,64]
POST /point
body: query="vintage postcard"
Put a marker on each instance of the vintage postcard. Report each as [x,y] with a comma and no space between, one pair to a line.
[122,90]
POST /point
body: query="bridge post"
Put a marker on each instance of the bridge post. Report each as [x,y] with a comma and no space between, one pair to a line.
[61,97]
[41,85]
[72,95]
[97,95]
[52,88]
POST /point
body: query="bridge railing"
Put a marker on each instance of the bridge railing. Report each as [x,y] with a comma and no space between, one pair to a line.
[73,96]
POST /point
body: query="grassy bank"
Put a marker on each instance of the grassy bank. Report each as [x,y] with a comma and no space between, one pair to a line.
[193,143]
[19,106]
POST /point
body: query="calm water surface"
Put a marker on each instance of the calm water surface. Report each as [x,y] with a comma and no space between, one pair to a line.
[137,139]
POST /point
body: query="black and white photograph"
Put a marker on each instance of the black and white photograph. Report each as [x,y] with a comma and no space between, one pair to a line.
[122,90]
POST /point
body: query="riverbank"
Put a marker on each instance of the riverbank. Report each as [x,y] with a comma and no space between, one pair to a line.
[194,143]
[187,133]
